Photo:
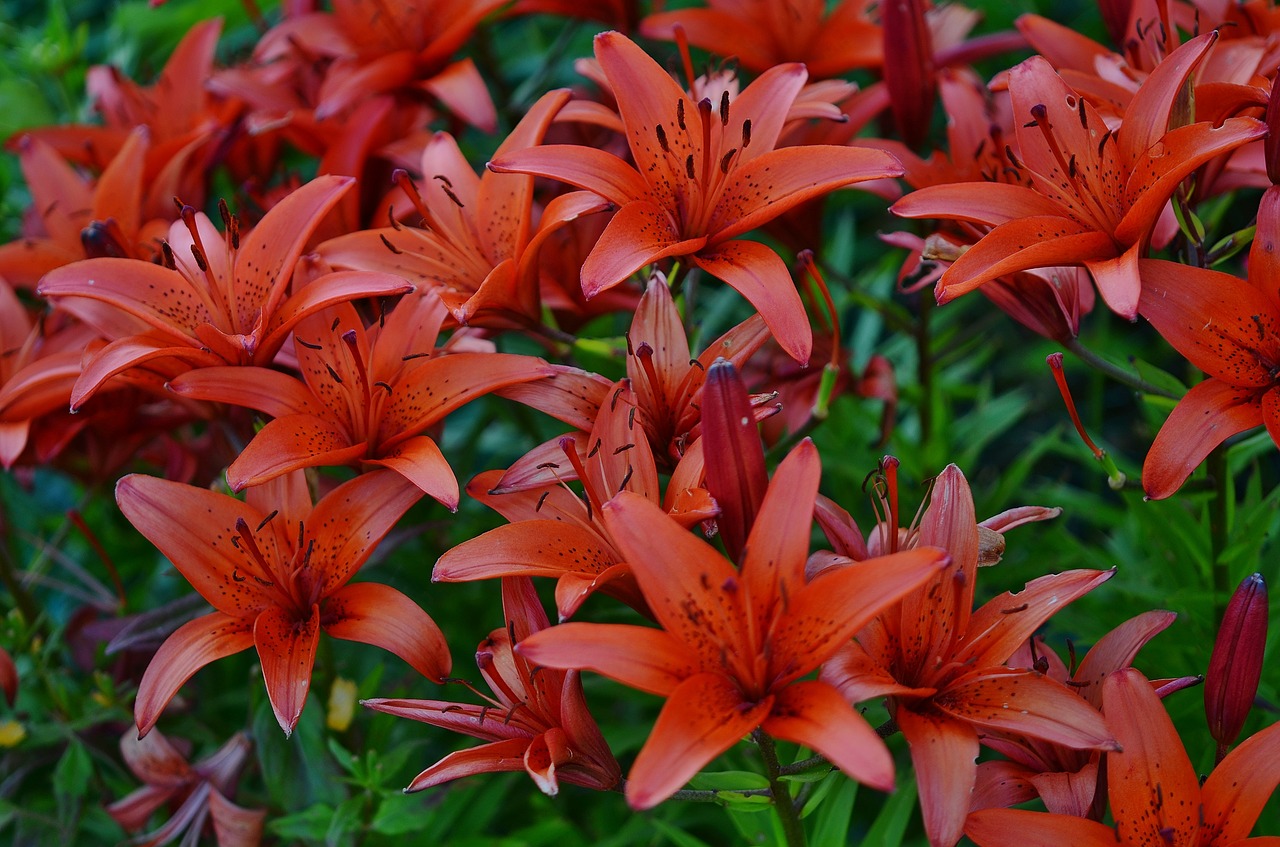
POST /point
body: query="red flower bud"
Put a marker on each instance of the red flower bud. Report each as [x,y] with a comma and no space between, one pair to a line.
[8,677]
[1236,663]
[736,475]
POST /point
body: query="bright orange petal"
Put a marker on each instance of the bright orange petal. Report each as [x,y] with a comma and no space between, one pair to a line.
[269,391]
[994,204]
[1239,787]
[420,461]
[943,751]
[640,657]
[703,717]
[290,443]
[584,167]
[760,275]
[193,528]
[1005,622]
[351,520]
[691,588]
[1027,704]
[377,614]
[332,288]
[826,613]
[640,233]
[1207,415]
[194,645]
[287,651]
[1155,796]
[161,297]
[767,186]
[773,561]
[1020,245]
[814,715]
[531,547]
[1018,828]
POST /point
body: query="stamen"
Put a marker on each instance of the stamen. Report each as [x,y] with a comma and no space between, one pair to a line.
[724,108]
[746,133]
[401,178]
[387,243]
[267,520]
[662,139]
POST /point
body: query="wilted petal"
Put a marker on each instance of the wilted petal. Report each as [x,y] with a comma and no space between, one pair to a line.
[235,826]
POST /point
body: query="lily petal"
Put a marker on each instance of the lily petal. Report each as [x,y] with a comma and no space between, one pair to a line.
[1151,760]
[640,233]
[944,752]
[192,646]
[290,443]
[703,717]
[639,657]
[498,757]
[760,275]
[813,714]
[287,651]
[1207,415]
[420,461]
[1239,787]
[1028,704]
[1019,828]
[377,614]
[584,167]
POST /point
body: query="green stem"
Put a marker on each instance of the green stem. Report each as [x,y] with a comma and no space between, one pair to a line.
[1116,372]
[924,355]
[810,764]
[705,795]
[1220,508]
[787,815]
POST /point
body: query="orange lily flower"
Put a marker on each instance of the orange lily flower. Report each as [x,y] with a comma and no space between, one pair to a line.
[537,722]
[666,377]
[764,33]
[736,642]
[1098,193]
[1066,779]
[199,793]
[476,246]
[555,533]
[1230,329]
[366,397]
[217,300]
[1155,796]
[705,174]
[942,664]
[276,570]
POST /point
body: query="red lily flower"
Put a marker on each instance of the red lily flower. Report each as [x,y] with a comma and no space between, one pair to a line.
[555,533]
[198,792]
[1230,329]
[366,396]
[1155,796]
[942,665]
[1066,779]
[735,643]
[666,378]
[704,175]
[537,722]
[1099,192]
[183,122]
[476,245]
[763,33]
[276,570]
[216,300]
[78,219]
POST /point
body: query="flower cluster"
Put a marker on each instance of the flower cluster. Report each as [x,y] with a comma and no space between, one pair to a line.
[265,378]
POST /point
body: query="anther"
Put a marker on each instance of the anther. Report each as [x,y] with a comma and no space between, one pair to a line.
[724,108]
[662,139]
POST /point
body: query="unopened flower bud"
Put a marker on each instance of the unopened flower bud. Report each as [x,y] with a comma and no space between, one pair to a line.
[1236,664]
[736,475]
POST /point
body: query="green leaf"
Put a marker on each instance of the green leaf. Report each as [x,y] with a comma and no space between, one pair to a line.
[891,823]
[345,822]
[678,836]
[399,813]
[71,776]
[309,825]
[729,780]
[831,824]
